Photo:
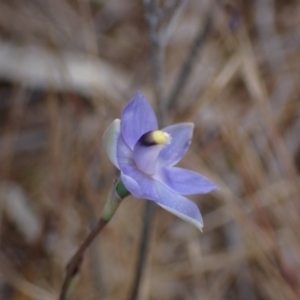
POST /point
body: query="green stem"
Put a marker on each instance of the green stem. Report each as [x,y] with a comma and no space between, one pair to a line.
[116,195]
[114,199]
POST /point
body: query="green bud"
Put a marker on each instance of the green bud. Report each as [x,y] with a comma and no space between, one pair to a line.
[116,195]
[121,189]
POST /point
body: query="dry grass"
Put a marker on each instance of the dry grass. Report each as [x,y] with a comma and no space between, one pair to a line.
[66,70]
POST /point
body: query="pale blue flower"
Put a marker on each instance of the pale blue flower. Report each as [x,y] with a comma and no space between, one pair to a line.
[146,157]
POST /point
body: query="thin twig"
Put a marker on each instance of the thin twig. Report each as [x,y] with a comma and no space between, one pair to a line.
[169,8]
[143,248]
[171,17]
[189,63]
[153,18]
[157,54]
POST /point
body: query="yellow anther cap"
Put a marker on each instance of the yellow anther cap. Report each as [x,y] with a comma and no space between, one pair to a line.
[156,137]
[160,137]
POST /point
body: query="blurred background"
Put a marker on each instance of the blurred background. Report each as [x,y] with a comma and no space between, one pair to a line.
[68,67]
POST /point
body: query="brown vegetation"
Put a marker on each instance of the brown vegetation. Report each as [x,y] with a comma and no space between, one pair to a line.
[67,68]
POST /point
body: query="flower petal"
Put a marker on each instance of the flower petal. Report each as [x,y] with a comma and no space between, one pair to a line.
[138,184]
[124,153]
[137,118]
[110,141]
[185,182]
[146,157]
[178,205]
[131,185]
[181,136]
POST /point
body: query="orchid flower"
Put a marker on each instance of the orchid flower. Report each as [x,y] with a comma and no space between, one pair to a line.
[146,157]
